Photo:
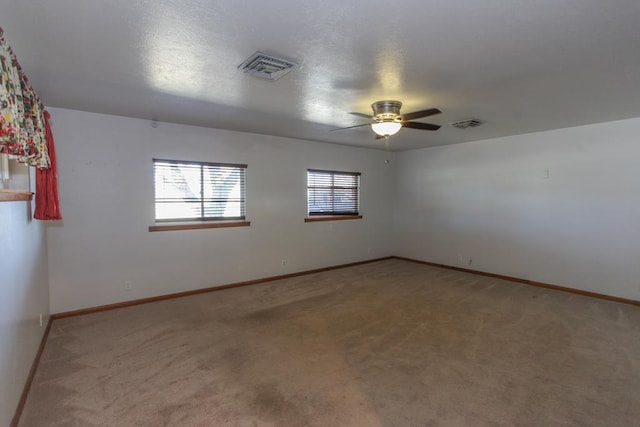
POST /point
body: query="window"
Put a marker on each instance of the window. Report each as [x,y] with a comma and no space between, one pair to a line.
[331,193]
[198,191]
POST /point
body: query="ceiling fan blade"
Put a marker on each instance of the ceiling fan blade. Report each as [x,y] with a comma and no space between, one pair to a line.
[366,116]
[350,127]
[422,126]
[421,113]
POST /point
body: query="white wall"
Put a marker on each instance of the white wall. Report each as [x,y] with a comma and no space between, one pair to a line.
[561,207]
[24,295]
[106,189]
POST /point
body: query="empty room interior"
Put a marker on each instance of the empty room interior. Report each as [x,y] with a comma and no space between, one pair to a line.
[363,213]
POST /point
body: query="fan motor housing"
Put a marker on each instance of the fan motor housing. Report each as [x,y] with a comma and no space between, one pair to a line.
[385,111]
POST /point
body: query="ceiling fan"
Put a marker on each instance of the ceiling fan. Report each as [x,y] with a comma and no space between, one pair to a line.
[387,119]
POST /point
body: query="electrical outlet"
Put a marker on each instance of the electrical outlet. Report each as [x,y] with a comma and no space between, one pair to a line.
[284,262]
[128,285]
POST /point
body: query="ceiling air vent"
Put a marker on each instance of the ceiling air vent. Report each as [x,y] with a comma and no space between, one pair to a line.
[463,124]
[266,66]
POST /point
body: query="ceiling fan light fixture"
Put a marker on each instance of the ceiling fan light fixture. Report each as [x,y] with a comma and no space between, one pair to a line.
[386,128]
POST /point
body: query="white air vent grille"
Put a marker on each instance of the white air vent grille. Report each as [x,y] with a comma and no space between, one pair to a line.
[463,124]
[266,66]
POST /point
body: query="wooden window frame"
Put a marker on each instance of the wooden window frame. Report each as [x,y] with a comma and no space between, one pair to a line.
[317,216]
[191,223]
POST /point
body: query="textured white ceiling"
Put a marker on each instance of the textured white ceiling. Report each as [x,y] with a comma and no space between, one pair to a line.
[519,65]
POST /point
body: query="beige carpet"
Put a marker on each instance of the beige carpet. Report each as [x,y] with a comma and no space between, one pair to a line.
[390,343]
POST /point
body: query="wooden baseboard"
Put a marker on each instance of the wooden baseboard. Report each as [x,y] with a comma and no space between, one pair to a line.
[32,373]
[204,290]
[527,282]
[318,270]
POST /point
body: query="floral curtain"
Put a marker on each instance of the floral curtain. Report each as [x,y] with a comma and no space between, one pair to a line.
[22,133]
[25,132]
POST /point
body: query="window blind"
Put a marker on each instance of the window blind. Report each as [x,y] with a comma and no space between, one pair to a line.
[332,193]
[188,191]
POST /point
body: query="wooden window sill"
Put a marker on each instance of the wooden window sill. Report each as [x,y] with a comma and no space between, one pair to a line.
[15,195]
[331,218]
[197,226]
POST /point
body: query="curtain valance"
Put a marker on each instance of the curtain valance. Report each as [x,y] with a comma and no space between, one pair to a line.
[22,129]
[25,132]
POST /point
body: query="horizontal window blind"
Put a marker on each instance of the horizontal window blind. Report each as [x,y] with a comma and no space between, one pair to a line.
[332,193]
[198,191]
